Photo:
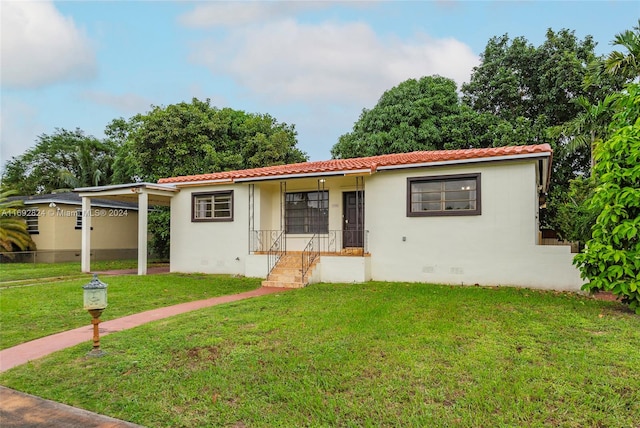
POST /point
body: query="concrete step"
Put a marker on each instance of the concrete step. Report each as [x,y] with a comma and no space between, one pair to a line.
[279,284]
[285,278]
[288,272]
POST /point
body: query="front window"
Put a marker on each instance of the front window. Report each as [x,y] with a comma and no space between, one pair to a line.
[33,214]
[32,221]
[78,219]
[443,195]
[307,212]
[215,206]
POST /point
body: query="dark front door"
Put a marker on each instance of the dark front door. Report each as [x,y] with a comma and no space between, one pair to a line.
[353,219]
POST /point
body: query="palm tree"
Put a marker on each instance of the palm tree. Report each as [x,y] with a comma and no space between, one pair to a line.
[626,65]
[588,128]
[91,166]
[13,229]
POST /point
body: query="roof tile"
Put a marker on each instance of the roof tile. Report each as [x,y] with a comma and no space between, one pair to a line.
[367,163]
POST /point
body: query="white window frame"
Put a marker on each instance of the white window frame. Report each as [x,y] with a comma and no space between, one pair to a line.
[78,218]
[33,218]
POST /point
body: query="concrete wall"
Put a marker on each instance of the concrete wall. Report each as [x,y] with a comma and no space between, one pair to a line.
[210,247]
[113,231]
[342,269]
[497,247]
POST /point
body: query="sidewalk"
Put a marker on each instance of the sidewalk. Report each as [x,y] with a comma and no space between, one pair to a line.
[24,411]
[27,411]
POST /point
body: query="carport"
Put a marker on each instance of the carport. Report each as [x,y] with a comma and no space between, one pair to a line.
[146,195]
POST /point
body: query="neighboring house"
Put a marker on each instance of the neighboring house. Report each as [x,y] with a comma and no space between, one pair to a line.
[55,222]
[455,217]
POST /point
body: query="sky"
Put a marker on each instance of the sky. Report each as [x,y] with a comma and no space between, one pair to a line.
[313,64]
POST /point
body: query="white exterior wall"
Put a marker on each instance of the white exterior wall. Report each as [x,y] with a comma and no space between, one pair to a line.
[342,269]
[497,247]
[209,247]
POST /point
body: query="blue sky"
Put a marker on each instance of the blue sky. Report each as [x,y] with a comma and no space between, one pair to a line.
[316,64]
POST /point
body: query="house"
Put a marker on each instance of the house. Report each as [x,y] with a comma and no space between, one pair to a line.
[54,222]
[454,216]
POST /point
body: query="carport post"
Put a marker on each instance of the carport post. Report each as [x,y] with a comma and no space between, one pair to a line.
[85,253]
[143,209]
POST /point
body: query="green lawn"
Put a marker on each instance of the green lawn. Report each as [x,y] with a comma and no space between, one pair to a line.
[375,354]
[30,312]
[10,273]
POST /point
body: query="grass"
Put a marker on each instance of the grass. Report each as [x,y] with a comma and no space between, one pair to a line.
[31,312]
[375,354]
[10,273]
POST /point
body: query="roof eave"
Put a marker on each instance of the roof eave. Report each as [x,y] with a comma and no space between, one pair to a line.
[153,186]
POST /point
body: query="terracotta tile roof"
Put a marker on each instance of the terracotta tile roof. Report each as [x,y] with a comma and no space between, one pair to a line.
[367,163]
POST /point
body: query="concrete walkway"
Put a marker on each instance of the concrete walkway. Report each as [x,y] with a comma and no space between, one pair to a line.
[22,410]
[38,348]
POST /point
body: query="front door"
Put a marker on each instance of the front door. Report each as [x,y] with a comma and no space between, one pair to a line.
[353,219]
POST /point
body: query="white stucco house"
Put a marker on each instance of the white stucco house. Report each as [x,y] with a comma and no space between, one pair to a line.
[452,216]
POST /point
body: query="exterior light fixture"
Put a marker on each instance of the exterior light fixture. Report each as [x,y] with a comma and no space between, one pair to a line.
[95,301]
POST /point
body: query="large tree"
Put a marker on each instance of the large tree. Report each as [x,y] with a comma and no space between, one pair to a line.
[574,215]
[194,138]
[60,161]
[516,79]
[611,260]
[544,87]
[423,114]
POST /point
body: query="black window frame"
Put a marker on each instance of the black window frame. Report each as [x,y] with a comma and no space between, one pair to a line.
[315,220]
[445,212]
[202,195]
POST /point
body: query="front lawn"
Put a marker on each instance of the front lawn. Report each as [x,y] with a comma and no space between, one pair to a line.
[10,273]
[34,311]
[375,354]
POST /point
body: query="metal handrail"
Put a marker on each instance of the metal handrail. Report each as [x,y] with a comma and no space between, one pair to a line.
[277,249]
[309,254]
[332,241]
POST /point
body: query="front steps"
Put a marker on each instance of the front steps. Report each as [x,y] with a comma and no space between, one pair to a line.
[288,272]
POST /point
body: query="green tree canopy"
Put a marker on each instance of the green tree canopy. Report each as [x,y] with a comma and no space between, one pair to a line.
[423,114]
[611,260]
[542,85]
[516,79]
[194,138]
[60,161]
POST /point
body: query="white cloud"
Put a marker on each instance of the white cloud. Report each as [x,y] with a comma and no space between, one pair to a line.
[40,46]
[286,61]
[130,103]
[232,14]
[19,124]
